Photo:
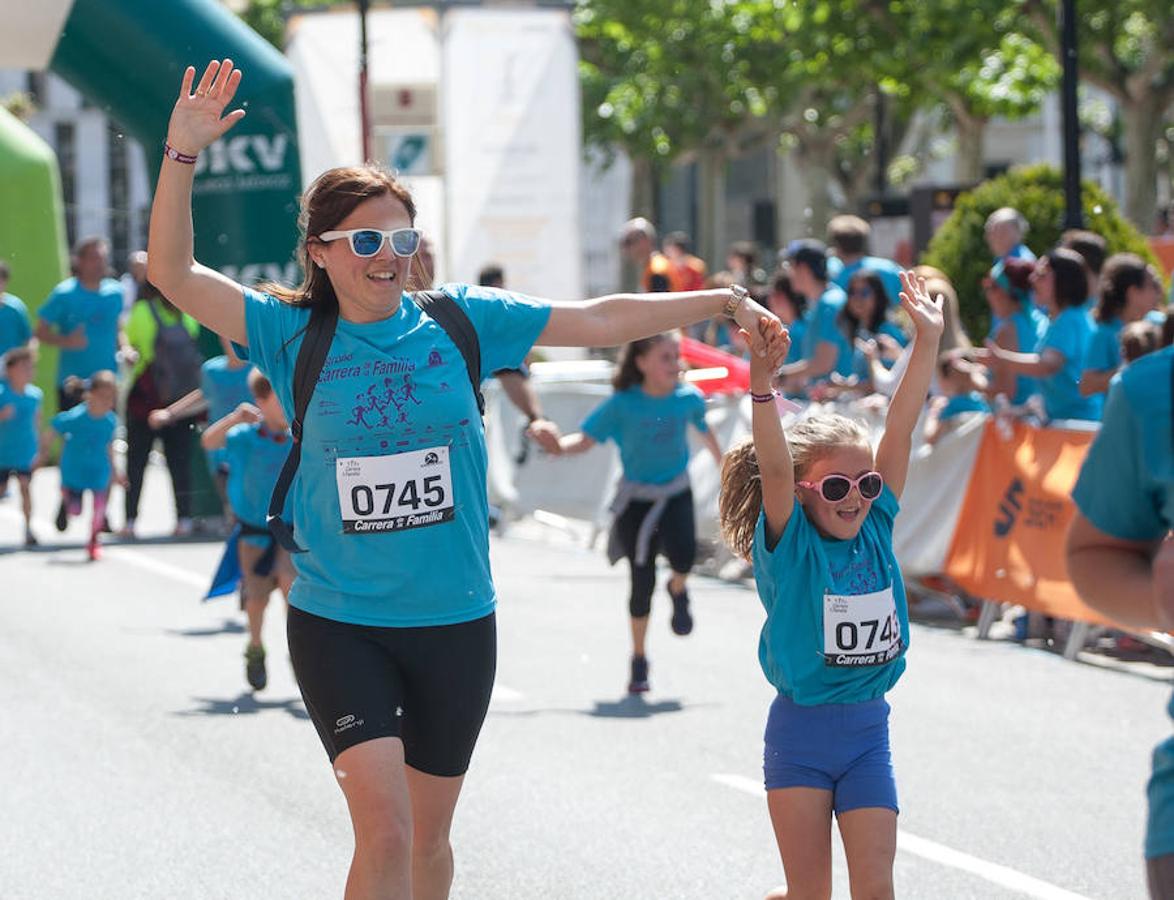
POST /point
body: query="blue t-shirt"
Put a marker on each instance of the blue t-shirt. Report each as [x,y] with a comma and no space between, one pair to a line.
[255,457]
[85,459]
[97,312]
[822,323]
[1070,334]
[15,330]
[650,431]
[1126,489]
[798,330]
[1029,325]
[18,435]
[1104,349]
[793,580]
[1020,251]
[889,272]
[224,388]
[971,401]
[394,386]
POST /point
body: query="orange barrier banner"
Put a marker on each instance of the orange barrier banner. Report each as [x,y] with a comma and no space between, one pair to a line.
[1009,542]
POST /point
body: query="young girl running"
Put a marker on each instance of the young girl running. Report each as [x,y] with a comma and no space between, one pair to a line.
[813,510]
[87,460]
[20,422]
[647,417]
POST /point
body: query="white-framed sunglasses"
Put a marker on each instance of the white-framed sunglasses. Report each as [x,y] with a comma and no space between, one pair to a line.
[367,242]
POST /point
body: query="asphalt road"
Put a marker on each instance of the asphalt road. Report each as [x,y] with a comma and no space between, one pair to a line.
[136,763]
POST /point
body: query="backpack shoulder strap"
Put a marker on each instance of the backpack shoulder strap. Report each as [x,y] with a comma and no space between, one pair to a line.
[316,339]
[449,316]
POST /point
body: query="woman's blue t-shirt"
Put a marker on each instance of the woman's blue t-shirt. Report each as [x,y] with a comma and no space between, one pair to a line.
[822,321]
[1069,334]
[71,305]
[972,401]
[1104,348]
[387,388]
[85,459]
[18,434]
[650,431]
[793,582]
[1029,324]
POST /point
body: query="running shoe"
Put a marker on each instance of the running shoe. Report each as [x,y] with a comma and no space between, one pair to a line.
[62,520]
[255,672]
[94,550]
[30,539]
[682,621]
[639,681]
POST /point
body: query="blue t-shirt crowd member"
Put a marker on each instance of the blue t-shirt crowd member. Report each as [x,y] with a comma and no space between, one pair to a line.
[1017,324]
[1125,502]
[255,442]
[865,317]
[391,627]
[87,461]
[848,238]
[20,426]
[825,349]
[1129,292]
[224,384]
[813,509]
[81,318]
[15,330]
[648,417]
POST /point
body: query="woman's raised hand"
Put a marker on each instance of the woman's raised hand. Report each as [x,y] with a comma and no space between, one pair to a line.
[198,118]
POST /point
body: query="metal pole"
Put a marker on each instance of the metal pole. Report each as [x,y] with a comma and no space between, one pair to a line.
[881,145]
[1073,210]
[364,109]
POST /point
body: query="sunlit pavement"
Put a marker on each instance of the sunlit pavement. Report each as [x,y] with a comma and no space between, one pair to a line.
[136,762]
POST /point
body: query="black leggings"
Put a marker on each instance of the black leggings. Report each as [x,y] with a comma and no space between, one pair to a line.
[177,448]
[675,533]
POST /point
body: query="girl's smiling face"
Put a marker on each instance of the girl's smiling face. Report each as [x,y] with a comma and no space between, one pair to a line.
[843,519]
[660,365]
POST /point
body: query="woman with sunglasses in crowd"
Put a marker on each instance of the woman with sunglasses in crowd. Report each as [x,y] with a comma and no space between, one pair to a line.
[813,510]
[865,317]
[391,633]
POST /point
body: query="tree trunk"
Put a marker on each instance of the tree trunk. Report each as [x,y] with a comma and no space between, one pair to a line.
[816,157]
[643,200]
[1143,123]
[711,237]
[968,163]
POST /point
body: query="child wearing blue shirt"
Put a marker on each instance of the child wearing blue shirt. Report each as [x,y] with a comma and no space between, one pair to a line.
[20,423]
[1128,292]
[1061,286]
[1120,550]
[87,459]
[962,384]
[255,441]
[648,418]
[814,511]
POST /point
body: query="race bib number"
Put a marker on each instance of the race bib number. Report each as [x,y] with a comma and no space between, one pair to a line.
[395,493]
[861,629]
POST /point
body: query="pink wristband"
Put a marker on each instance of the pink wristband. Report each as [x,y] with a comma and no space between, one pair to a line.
[763,398]
[171,153]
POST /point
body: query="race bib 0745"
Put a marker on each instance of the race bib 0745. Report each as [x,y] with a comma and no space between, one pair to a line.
[861,629]
[395,493]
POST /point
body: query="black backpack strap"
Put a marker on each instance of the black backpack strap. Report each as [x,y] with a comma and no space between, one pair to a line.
[449,316]
[316,339]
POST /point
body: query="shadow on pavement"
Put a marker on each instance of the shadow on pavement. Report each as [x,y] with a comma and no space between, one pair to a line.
[633,706]
[228,626]
[245,704]
[112,541]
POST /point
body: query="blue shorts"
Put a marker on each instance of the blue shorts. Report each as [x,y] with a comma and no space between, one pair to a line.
[837,747]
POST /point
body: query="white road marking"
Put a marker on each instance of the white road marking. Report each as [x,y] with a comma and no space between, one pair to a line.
[503,694]
[143,561]
[939,853]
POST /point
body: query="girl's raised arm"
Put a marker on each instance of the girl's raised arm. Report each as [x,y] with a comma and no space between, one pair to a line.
[892,456]
[775,468]
[196,121]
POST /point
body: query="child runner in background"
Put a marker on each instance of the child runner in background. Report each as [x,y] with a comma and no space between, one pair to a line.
[963,385]
[224,386]
[814,512]
[647,417]
[255,441]
[20,423]
[87,460]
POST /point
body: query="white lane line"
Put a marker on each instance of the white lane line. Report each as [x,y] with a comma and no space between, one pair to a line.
[941,854]
[503,694]
[143,561]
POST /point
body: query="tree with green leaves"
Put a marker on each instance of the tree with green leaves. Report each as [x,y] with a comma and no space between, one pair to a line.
[1126,48]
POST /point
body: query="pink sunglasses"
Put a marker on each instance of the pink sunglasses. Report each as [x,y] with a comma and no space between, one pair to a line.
[834,488]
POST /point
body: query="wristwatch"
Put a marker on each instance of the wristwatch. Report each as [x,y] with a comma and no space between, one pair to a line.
[737,295]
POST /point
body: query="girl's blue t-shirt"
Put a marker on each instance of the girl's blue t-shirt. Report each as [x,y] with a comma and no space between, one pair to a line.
[805,658]
[18,435]
[85,458]
[393,387]
[971,401]
[1104,348]
[255,457]
[651,432]
[1030,324]
[224,388]
[1069,334]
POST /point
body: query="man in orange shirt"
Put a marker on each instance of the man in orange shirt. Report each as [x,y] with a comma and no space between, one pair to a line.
[689,269]
[638,244]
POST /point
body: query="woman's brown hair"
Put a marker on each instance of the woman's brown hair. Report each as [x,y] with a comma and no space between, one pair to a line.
[627,373]
[331,198]
[740,500]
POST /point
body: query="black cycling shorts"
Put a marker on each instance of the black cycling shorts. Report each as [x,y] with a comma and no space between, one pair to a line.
[428,686]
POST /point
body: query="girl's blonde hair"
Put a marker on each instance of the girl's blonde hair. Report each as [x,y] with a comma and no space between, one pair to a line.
[740,499]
